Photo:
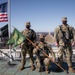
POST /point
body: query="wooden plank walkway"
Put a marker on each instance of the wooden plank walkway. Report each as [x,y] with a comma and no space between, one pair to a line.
[12,69]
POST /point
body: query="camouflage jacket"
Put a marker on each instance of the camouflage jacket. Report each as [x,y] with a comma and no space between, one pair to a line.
[45,48]
[63,34]
[29,34]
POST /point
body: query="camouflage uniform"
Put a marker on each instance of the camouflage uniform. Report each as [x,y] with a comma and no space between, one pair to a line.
[42,60]
[27,46]
[64,36]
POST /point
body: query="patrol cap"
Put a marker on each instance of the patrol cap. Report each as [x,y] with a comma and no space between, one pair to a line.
[28,24]
[41,36]
[64,19]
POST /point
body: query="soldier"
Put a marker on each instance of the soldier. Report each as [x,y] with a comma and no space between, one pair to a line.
[26,46]
[64,39]
[42,60]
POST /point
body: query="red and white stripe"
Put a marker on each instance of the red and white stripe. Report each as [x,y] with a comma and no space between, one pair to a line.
[3,17]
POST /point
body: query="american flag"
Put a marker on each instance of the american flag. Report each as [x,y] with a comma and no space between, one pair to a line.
[3,12]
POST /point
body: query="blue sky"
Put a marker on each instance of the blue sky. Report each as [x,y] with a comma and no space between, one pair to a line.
[44,15]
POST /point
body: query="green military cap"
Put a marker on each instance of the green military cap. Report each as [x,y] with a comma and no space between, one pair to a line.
[28,23]
[64,18]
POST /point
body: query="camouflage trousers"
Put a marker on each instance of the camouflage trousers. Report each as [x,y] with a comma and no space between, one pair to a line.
[27,49]
[42,63]
[68,52]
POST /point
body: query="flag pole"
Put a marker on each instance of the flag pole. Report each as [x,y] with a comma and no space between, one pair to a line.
[46,55]
[9,24]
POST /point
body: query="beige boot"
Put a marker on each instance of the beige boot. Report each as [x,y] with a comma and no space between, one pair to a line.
[71,69]
[47,71]
[21,68]
[32,68]
[39,69]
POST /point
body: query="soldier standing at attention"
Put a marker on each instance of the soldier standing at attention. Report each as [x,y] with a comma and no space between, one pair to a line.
[27,47]
[64,39]
[42,60]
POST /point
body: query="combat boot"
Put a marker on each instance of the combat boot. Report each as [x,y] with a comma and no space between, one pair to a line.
[39,69]
[47,71]
[21,68]
[71,69]
[32,68]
